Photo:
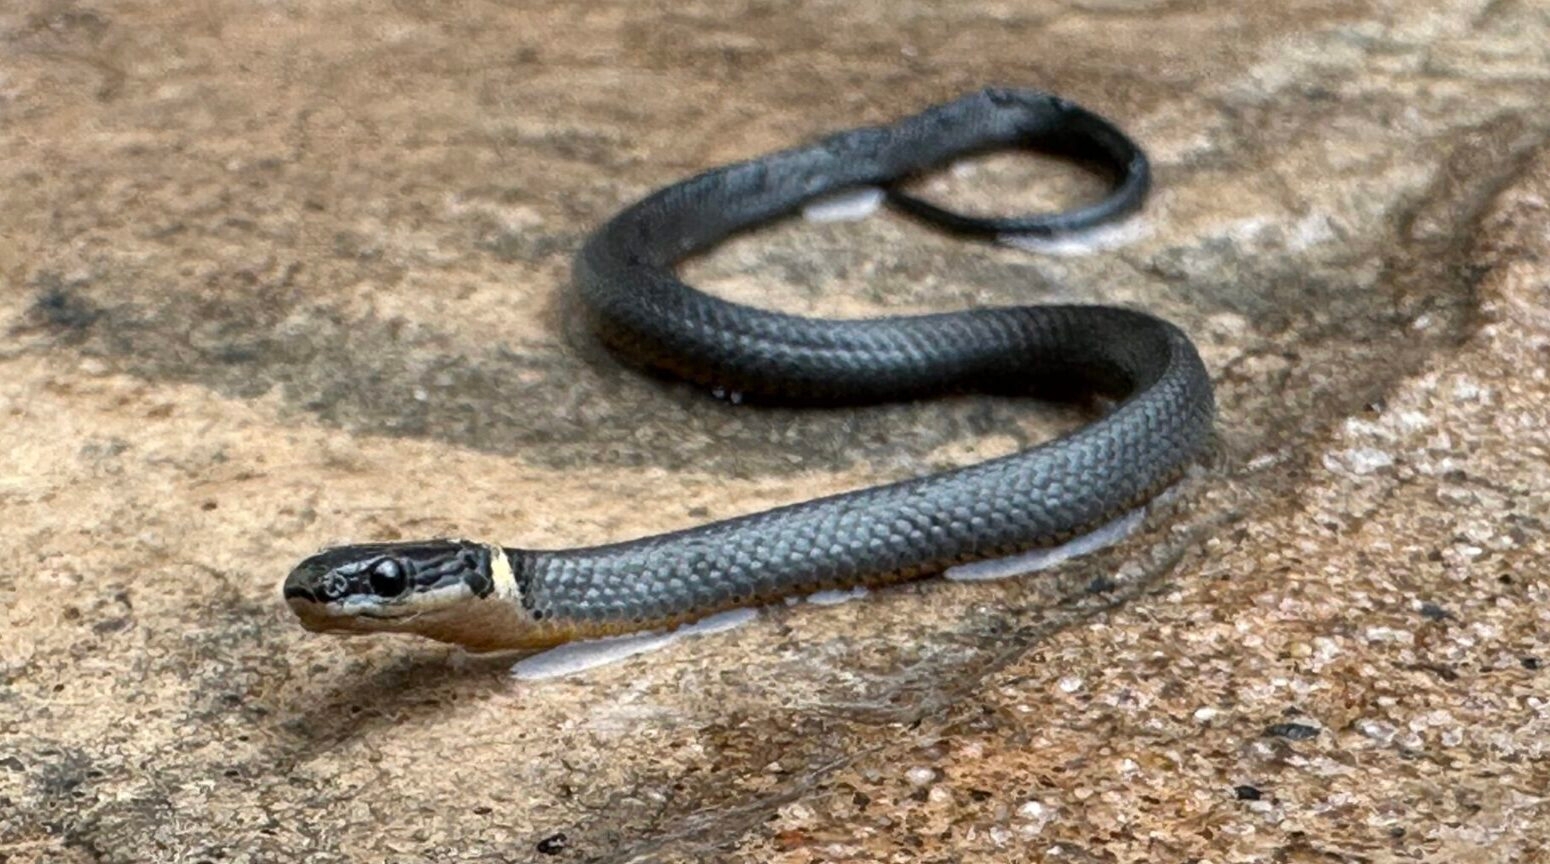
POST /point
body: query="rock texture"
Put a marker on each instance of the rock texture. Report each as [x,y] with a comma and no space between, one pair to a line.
[277,275]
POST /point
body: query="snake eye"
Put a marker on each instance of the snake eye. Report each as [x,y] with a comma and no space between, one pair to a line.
[387,578]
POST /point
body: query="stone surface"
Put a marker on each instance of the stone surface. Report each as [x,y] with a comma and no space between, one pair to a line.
[276,275]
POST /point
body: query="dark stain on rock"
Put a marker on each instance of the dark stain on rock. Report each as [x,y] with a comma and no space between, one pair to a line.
[247,331]
[1433,612]
[258,332]
[1336,340]
[554,844]
[61,309]
[1292,731]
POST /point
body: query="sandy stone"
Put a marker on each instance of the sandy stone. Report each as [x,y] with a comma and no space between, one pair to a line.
[279,275]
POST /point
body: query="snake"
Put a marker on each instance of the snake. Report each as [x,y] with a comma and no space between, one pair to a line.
[1158,418]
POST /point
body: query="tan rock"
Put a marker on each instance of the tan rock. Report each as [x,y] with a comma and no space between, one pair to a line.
[277,275]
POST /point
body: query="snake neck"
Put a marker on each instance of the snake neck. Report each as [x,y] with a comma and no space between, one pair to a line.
[501,618]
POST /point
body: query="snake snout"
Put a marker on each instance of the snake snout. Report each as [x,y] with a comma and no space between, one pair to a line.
[305,583]
[314,590]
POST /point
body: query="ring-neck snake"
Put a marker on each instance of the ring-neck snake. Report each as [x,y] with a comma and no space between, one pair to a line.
[488,597]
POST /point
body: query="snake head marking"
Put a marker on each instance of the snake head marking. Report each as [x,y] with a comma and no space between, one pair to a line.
[378,586]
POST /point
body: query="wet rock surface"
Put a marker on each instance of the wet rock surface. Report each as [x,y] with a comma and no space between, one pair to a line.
[276,276]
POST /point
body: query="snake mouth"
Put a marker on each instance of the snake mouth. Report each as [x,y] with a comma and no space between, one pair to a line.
[322,617]
[306,592]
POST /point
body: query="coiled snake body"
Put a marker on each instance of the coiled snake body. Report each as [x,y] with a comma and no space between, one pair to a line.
[487,597]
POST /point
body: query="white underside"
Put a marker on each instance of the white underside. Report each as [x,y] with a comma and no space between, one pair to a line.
[1042,559]
[853,205]
[1091,241]
[573,657]
[578,656]
[849,206]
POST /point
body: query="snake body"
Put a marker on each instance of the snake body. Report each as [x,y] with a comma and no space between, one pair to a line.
[485,596]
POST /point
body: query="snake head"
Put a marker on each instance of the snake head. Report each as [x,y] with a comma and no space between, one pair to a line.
[377,587]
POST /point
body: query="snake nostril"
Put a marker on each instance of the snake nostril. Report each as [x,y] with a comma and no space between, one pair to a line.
[334,586]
